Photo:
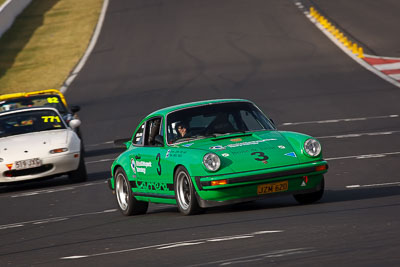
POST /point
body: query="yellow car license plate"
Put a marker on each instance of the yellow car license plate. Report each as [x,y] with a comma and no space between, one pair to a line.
[272,188]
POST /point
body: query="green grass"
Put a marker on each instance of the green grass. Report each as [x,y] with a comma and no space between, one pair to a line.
[45,43]
[2,2]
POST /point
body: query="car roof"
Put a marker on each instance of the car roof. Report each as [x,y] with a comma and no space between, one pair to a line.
[167,110]
[28,109]
[34,93]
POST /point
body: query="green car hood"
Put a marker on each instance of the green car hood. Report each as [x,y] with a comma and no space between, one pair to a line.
[250,151]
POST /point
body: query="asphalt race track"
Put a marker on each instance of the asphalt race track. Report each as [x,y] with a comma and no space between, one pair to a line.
[155,53]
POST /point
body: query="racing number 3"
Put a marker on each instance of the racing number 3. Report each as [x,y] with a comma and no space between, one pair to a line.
[261,156]
[159,163]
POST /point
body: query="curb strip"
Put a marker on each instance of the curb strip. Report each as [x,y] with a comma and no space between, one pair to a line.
[385,67]
[89,50]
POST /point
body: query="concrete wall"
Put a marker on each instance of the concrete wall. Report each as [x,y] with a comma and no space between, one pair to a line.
[9,11]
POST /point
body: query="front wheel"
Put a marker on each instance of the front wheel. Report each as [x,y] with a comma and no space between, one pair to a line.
[127,203]
[309,198]
[185,193]
[80,174]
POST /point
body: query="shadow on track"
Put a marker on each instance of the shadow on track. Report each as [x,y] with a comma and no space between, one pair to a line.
[103,152]
[47,183]
[332,196]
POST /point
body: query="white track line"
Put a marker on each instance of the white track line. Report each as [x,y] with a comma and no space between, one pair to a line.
[372,185]
[54,219]
[98,161]
[241,261]
[365,156]
[358,135]
[341,120]
[383,57]
[89,50]
[100,144]
[55,190]
[173,244]
[388,66]
[395,76]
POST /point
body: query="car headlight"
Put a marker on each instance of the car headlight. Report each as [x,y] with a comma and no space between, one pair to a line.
[312,147]
[211,161]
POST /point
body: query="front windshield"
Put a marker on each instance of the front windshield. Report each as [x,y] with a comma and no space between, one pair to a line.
[214,120]
[30,121]
[53,101]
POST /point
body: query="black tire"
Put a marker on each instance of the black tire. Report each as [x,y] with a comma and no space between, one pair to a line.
[80,174]
[185,193]
[78,132]
[127,203]
[311,197]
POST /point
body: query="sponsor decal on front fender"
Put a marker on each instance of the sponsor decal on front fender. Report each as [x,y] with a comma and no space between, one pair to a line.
[217,147]
[291,154]
[248,143]
[133,165]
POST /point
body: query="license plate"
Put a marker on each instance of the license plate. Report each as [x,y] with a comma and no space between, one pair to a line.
[28,163]
[272,188]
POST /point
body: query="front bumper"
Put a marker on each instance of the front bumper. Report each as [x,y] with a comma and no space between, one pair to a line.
[54,165]
[242,187]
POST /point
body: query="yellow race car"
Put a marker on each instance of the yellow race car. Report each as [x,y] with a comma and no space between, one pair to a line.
[44,98]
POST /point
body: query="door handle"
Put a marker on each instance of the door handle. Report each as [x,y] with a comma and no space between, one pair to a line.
[137,157]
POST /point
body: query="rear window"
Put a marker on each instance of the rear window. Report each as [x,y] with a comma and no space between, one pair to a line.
[53,101]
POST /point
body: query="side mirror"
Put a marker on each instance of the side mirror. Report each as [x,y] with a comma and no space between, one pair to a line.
[75,109]
[124,142]
[74,123]
[159,140]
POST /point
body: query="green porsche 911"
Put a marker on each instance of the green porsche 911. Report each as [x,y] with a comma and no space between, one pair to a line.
[212,153]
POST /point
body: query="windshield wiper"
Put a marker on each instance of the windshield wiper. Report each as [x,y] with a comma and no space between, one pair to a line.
[228,135]
[181,140]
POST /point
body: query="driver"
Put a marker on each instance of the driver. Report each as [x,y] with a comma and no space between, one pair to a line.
[182,131]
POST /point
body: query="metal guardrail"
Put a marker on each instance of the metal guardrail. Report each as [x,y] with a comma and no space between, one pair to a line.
[9,11]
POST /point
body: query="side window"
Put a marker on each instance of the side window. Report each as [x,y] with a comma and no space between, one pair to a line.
[138,139]
[153,128]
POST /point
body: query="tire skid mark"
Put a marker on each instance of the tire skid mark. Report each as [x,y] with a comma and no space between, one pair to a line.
[175,244]
[52,220]
[259,257]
